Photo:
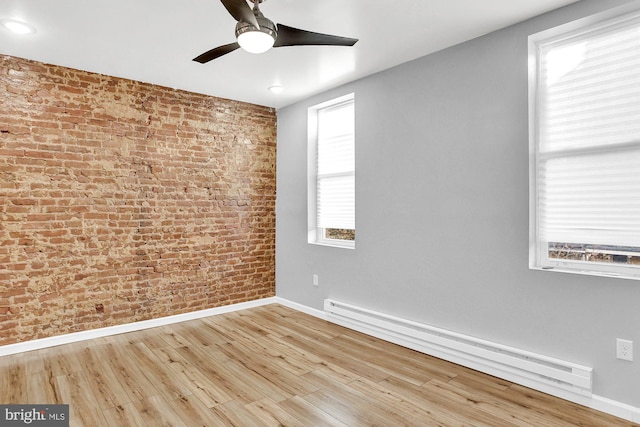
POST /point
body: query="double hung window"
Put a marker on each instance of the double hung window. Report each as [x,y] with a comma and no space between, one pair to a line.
[332,173]
[585,146]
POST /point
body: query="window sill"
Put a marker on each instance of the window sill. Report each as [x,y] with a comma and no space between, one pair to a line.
[624,274]
[335,244]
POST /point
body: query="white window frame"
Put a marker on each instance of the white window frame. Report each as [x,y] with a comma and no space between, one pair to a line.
[538,250]
[316,234]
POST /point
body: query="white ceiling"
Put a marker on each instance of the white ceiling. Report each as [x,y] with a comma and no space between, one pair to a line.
[155,41]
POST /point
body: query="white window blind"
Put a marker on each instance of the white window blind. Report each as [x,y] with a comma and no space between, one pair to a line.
[588,135]
[336,167]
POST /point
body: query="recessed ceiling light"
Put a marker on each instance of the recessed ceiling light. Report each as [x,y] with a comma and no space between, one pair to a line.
[17,27]
[276,89]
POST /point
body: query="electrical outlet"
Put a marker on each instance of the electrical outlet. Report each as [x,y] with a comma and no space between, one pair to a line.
[315,280]
[624,349]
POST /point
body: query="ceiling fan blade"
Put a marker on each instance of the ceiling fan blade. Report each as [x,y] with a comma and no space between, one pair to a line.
[216,52]
[289,36]
[241,11]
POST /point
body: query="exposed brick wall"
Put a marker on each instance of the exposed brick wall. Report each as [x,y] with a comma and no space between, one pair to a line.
[122,201]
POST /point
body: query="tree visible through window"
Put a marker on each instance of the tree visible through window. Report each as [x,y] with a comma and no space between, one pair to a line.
[340,233]
[595,253]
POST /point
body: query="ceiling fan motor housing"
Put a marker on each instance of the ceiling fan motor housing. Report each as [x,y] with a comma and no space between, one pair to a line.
[266,26]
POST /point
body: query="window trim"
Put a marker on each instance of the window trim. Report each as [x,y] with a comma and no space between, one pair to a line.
[314,233]
[538,251]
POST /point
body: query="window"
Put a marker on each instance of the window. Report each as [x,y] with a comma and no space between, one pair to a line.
[585,146]
[331,178]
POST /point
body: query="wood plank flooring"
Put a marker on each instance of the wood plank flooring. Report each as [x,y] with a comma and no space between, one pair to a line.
[271,366]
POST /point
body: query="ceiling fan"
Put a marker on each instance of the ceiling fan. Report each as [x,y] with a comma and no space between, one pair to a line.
[257,34]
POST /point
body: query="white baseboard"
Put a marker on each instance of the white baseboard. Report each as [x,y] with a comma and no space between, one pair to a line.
[129,327]
[602,404]
[618,409]
[302,308]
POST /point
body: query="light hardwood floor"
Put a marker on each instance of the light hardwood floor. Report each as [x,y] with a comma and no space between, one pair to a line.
[271,366]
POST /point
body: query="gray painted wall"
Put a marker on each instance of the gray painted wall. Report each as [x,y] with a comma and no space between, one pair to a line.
[442,211]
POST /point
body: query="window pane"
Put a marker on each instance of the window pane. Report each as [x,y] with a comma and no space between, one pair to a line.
[591,90]
[591,198]
[339,234]
[336,155]
[595,253]
[336,121]
[336,202]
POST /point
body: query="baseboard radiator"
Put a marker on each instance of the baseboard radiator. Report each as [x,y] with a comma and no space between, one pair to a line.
[557,377]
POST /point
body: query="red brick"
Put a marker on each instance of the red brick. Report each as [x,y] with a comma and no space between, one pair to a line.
[151,208]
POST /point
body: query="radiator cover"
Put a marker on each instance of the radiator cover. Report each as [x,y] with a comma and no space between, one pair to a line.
[554,376]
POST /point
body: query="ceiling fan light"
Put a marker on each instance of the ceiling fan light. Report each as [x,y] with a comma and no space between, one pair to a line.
[255,41]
